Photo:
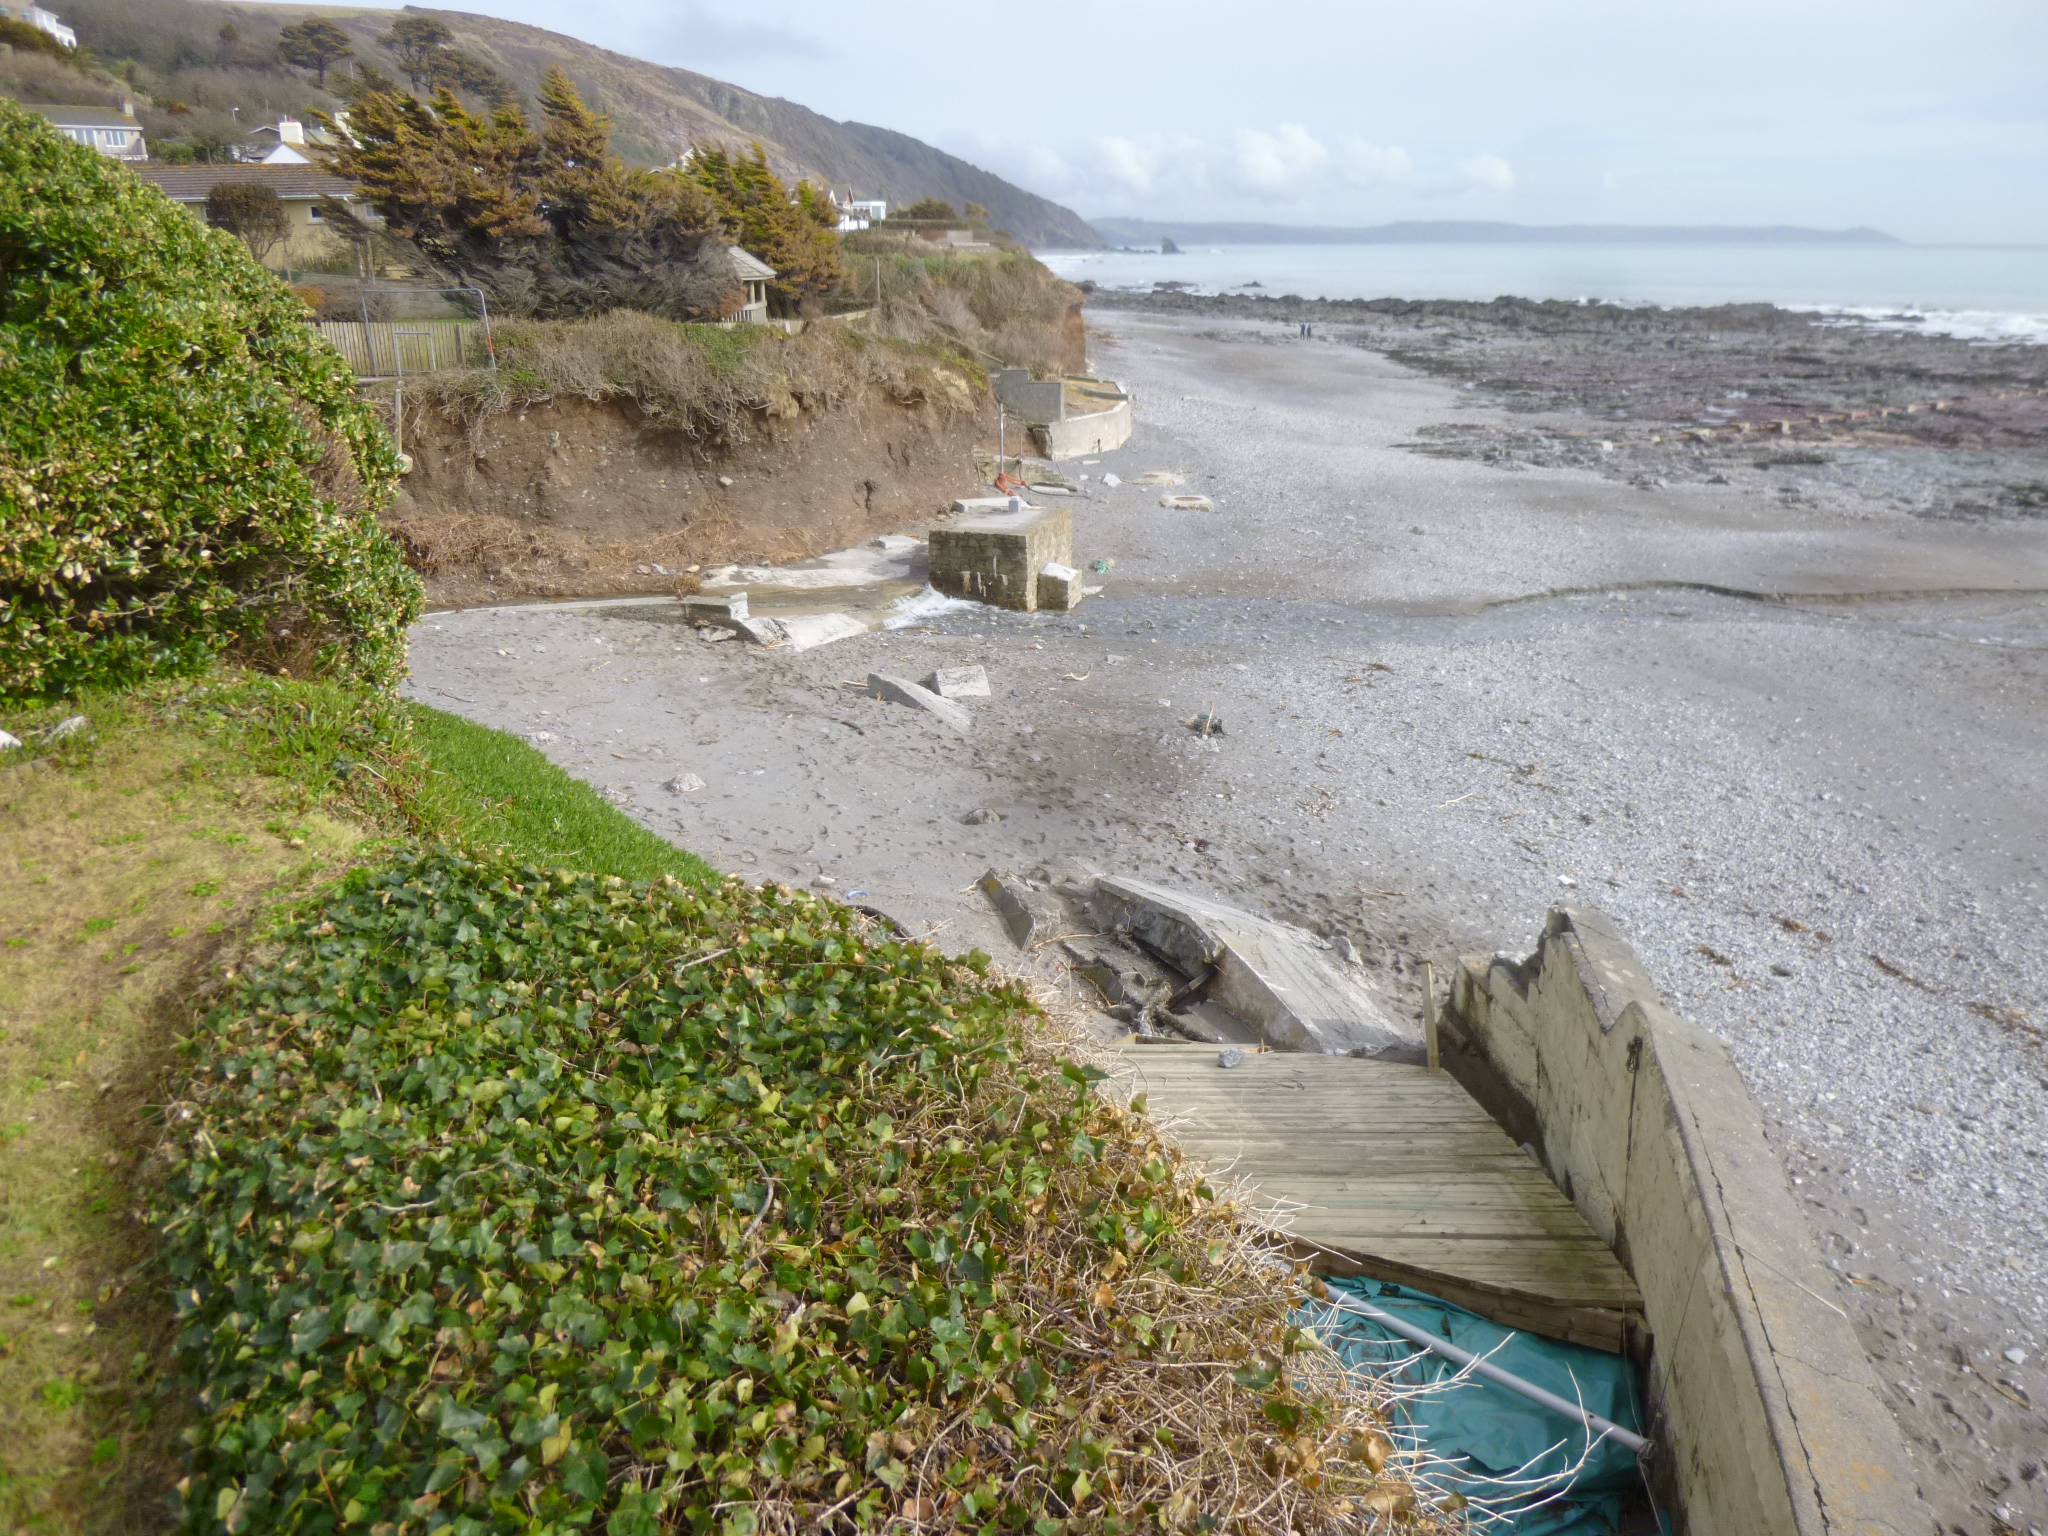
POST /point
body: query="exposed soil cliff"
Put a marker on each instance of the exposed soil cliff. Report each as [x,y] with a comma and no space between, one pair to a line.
[585,498]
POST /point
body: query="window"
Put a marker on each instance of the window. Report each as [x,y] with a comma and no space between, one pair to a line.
[313,213]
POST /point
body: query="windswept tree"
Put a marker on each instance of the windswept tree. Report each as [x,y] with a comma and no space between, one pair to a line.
[794,232]
[548,223]
[415,41]
[314,44]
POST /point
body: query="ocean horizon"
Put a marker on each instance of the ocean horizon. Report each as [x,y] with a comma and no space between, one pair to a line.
[1983,293]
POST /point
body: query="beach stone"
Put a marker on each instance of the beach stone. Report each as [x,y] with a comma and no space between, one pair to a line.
[1230,1057]
[683,784]
[983,817]
[68,727]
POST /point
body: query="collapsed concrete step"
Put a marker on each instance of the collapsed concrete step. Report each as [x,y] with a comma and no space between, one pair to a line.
[1269,974]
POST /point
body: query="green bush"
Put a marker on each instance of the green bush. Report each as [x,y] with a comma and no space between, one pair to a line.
[184,465]
[516,1200]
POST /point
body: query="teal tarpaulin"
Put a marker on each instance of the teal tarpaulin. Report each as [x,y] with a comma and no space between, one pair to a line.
[1495,1445]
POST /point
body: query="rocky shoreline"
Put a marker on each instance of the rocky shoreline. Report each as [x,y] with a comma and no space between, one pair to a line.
[1657,397]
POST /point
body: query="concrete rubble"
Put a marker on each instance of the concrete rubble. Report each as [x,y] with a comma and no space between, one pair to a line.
[901,690]
[1031,915]
[1272,976]
[959,682]
[1170,965]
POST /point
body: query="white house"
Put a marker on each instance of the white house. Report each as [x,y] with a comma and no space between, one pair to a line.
[859,213]
[42,21]
[114,134]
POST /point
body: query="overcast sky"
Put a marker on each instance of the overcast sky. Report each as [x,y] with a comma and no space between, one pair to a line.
[1927,118]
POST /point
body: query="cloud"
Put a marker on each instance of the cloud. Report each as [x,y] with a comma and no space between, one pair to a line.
[1488,173]
[1365,164]
[695,36]
[1280,163]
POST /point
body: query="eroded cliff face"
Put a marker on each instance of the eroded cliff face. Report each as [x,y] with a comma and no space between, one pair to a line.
[576,498]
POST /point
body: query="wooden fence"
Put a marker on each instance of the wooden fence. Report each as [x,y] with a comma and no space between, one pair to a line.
[384,348]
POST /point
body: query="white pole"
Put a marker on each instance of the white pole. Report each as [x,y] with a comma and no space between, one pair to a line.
[1605,1429]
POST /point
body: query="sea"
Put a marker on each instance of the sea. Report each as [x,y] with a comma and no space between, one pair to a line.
[1993,294]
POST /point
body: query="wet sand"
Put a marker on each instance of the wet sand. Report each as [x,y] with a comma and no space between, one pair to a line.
[1795,748]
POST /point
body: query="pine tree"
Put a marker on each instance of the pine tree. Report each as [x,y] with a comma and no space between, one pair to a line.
[314,45]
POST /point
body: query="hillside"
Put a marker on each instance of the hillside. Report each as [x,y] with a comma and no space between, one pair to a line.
[656,111]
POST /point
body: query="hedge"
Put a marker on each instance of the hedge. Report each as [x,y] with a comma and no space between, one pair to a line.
[507,1199]
[184,464]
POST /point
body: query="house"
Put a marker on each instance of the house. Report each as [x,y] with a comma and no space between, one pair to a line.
[279,143]
[42,21]
[755,275]
[858,213]
[299,187]
[114,134]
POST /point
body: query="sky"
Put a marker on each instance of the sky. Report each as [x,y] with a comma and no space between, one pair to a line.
[1928,119]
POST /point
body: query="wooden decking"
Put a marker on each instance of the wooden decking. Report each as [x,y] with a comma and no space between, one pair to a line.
[1394,1172]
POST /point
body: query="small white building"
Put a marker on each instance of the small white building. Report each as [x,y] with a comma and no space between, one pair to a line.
[42,21]
[859,212]
[755,275]
[117,135]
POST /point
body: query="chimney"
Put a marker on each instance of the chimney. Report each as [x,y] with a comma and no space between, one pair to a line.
[127,106]
[290,131]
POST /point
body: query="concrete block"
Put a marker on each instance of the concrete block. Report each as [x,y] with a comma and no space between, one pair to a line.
[901,690]
[959,683]
[996,558]
[1059,587]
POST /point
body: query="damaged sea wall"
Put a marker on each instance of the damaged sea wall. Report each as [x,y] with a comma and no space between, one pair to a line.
[1768,1420]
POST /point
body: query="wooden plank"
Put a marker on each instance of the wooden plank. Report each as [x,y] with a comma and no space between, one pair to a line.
[1394,1172]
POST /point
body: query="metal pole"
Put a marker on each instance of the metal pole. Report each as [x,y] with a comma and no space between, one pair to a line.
[1604,1429]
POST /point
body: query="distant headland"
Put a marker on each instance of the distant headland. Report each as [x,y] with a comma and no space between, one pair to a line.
[1461,232]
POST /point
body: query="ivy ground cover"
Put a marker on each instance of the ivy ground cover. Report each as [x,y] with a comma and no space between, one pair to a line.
[507,1199]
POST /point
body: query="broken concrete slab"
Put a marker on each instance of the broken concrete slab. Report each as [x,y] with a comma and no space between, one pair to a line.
[996,558]
[798,631]
[901,690]
[1122,975]
[1031,916]
[725,610]
[1269,974]
[1059,587]
[959,682]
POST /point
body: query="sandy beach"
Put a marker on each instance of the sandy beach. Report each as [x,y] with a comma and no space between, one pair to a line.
[1793,744]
